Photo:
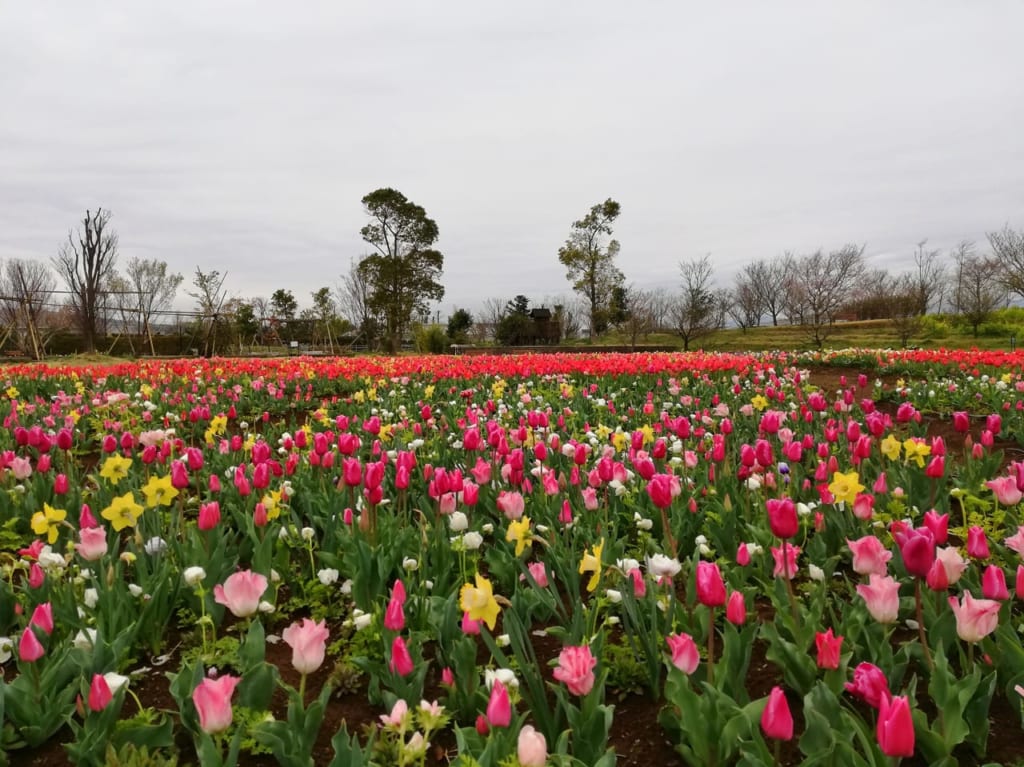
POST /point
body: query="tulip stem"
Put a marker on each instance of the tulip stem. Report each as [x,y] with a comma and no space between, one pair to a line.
[302,689]
[711,646]
[789,585]
[778,752]
[920,625]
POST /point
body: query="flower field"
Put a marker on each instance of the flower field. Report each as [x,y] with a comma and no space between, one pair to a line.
[543,559]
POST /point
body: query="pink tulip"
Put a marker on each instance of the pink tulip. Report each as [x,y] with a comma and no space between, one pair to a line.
[829,648]
[869,555]
[882,598]
[869,684]
[662,489]
[401,661]
[864,506]
[895,729]
[42,617]
[99,693]
[308,641]
[975,618]
[241,593]
[993,583]
[939,525]
[499,708]
[209,515]
[531,748]
[1018,584]
[539,573]
[29,647]
[212,699]
[785,566]
[742,555]
[511,504]
[394,615]
[576,669]
[36,576]
[1005,490]
[685,655]
[776,719]
[92,543]
[1016,541]
[710,586]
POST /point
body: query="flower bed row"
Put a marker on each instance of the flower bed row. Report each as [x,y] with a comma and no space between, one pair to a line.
[423,529]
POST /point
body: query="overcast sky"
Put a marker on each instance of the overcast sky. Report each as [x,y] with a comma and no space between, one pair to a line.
[241,136]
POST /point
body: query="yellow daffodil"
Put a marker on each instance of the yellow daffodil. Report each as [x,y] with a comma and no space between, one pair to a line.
[386,431]
[47,522]
[122,512]
[844,487]
[272,503]
[519,531]
[479,601]
[648,433]
[891,448]
[159,491]
[602,432]
[591,563]
[115,468]
[218,425]
[428,391]
[620,440]
[916,450]
[759,402]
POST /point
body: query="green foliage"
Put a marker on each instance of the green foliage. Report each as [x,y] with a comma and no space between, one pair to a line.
[590,263]
[431,339]
[130,755]
[403,275]
[458,325]
[625,671]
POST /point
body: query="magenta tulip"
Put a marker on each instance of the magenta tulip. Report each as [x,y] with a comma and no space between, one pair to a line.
[710,586]
[895,729]
[685,655]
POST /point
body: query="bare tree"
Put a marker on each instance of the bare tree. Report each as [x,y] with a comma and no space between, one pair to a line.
[638,319]
[25,287]
[765,279]
[85,263]
[354,294]
[1008,253]
[977,294]
[662,302]
[743,304]
[210,297]
[154,290]
[698,309]
[927,279]
[121,299]
[824,283]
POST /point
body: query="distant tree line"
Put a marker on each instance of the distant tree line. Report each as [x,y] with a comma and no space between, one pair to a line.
[383,301]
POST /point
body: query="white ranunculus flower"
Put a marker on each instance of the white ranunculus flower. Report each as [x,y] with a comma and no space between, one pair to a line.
[327,576]
[6,648]
[115,681]
[614,596]
[504,675]
[90,597]
[816,573]
[472,540]
[458,521]
[194,576]
[84,639]
[660,565]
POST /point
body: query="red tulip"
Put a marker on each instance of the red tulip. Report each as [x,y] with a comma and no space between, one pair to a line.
[776,719]
[829,648]
[895,727]
[782,517]
[917,547]
[99,693]
[993,583]
[401,661]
